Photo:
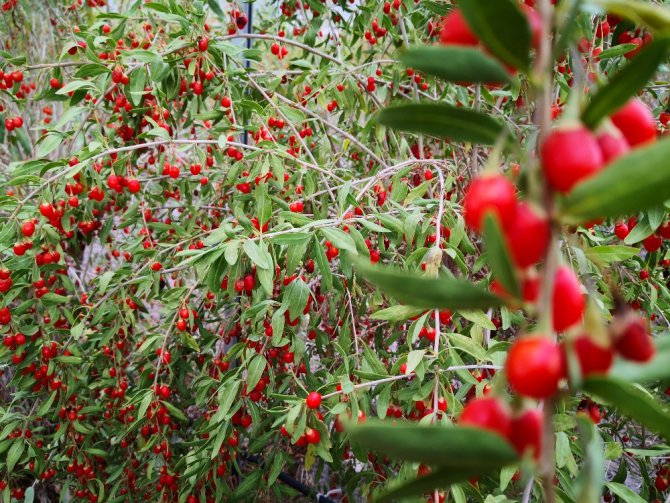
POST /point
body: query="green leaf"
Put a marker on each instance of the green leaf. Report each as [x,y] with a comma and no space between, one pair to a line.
[49,143]
[625,493]
[455,64]
[137,81]
[614,253]
[498,257]
[626,83]
[630,400]
[655,370]
[502,27]
[14,454]
[256,254]
[443,121]
[440,478]
[426,292]
[255,371]
[450,447]
[635,182]
[295,298]
[339,239]
[397,313]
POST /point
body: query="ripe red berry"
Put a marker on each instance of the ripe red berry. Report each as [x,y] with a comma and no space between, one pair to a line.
[527,236]
[455,30]
[568,302]
[313,400]
[621,230]
[203,44]
[488,413]
[636,122]
[28,228]
[534,366]
[493,193]
[592,357]
[133,185]
[652,243]
[569,156]
[526,434]
[612,145]
[632,339]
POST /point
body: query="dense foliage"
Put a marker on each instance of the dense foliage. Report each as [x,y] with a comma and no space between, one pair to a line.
[231,247]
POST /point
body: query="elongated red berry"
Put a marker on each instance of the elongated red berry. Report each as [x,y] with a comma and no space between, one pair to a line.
[632,339]
[568,302]
[636,122]
[569,156]
[534,366]
[527,236]
[487,413]
[455,30]
[593,358]
[489,193]
[526,434]
[612,145]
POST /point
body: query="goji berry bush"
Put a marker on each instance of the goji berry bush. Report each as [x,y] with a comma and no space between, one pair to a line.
[336,250]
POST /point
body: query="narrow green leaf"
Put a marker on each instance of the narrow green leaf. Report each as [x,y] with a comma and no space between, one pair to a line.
[633,183]
[443,121]
[255,371]
[14,454]
[498,256]
[625,493]
[450,447]
[295,298]
[626,83]
[613,253]
[426,292]
[502,27]
[397,313]
[630,400]
[339,239]
[49,143]
[255,253]
[456,64]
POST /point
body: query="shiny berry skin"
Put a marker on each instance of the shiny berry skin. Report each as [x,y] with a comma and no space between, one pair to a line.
[568,302]
[621,230]
[636,122]
[632,339]
[455,30]
[569,156]
[612,146]
[527,236]
[312,436]
[526,432]
[652,243]
[487,413]
[313,400]
[28,228]
[494,194]
[592,357]
[534,366]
